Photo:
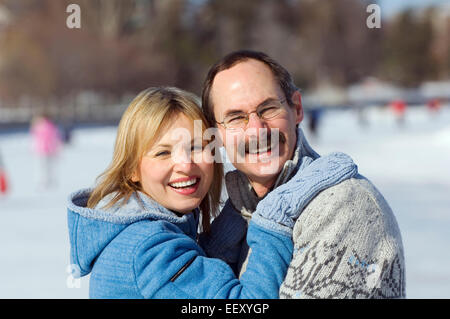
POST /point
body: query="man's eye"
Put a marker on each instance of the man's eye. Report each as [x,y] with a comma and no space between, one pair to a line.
[236,118]
[268,110]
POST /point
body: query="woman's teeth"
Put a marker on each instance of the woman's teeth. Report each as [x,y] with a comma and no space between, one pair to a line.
[184,184]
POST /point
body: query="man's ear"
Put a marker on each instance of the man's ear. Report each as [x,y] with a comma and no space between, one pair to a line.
[298,108]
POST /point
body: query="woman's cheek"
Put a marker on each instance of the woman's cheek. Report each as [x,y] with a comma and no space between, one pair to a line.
[207,156]
[208,172]
[154,174]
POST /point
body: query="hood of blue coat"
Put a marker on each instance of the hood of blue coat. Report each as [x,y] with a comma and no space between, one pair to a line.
[92,229]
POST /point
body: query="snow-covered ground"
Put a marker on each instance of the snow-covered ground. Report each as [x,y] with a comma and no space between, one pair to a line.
[409,164]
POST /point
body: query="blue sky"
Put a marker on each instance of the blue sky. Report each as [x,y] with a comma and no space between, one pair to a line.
[389,7]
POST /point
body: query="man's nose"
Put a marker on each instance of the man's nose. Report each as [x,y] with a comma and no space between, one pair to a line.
[254,121]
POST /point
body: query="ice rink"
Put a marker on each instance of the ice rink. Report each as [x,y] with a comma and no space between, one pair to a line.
[408,164]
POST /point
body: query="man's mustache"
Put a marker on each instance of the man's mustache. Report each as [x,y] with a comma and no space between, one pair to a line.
[253,144]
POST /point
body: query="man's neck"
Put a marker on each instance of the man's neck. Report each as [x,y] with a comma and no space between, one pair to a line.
[262,187]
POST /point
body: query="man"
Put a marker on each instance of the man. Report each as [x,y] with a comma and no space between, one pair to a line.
[347,241]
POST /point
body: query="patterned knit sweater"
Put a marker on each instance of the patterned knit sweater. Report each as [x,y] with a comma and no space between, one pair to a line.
[347,241]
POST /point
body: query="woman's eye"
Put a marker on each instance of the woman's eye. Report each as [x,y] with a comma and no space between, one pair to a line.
[162,153]
[197,148]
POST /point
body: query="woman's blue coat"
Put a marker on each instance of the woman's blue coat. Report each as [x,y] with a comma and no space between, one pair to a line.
[142,250]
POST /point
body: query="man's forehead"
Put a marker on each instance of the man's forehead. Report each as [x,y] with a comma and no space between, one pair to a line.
[244,82]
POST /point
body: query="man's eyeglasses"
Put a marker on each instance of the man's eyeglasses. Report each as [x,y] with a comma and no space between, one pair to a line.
[266,111]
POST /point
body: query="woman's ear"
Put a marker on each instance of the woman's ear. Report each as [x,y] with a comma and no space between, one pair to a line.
[135,177]
[298,108]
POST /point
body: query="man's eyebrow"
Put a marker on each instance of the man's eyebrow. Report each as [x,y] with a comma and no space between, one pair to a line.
[233,112]
[267,101]
[263,103]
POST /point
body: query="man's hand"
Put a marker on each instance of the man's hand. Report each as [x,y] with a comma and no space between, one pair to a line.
[285,204]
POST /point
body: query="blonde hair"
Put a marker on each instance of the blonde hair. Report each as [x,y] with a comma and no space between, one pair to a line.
[150,112]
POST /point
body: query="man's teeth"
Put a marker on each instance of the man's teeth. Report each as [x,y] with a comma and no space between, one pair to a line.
[184,184]
[261,150]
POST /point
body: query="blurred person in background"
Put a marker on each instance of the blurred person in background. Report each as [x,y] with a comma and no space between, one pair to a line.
[314,120]
[434,105]
[66,129]
[398,107]
[3,178]
[46,144]
[347,240]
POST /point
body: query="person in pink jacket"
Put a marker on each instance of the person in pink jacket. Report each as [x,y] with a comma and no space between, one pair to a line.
[3,179]
[46,140]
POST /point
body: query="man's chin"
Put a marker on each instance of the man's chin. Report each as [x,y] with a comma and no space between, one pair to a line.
[261,170]
[264,164]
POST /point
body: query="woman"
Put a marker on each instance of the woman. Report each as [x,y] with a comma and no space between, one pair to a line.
[136,231]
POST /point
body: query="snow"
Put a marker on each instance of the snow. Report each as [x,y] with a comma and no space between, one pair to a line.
[408,164]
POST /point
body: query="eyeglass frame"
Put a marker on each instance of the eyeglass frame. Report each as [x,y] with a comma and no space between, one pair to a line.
[247,115]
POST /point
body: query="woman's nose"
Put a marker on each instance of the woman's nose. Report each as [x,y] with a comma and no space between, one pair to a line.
[184,168]
[183,160]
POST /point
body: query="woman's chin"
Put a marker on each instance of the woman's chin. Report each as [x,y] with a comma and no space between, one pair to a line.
[185,208]
[185,202]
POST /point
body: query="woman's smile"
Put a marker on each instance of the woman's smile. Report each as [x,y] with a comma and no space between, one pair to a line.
[185,185]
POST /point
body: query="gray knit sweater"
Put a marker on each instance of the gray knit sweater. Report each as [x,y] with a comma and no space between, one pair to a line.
[347,245]
[347,241]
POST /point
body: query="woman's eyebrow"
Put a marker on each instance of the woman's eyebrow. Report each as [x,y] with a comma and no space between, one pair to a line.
[193,140]
[199,141]
[162,146]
